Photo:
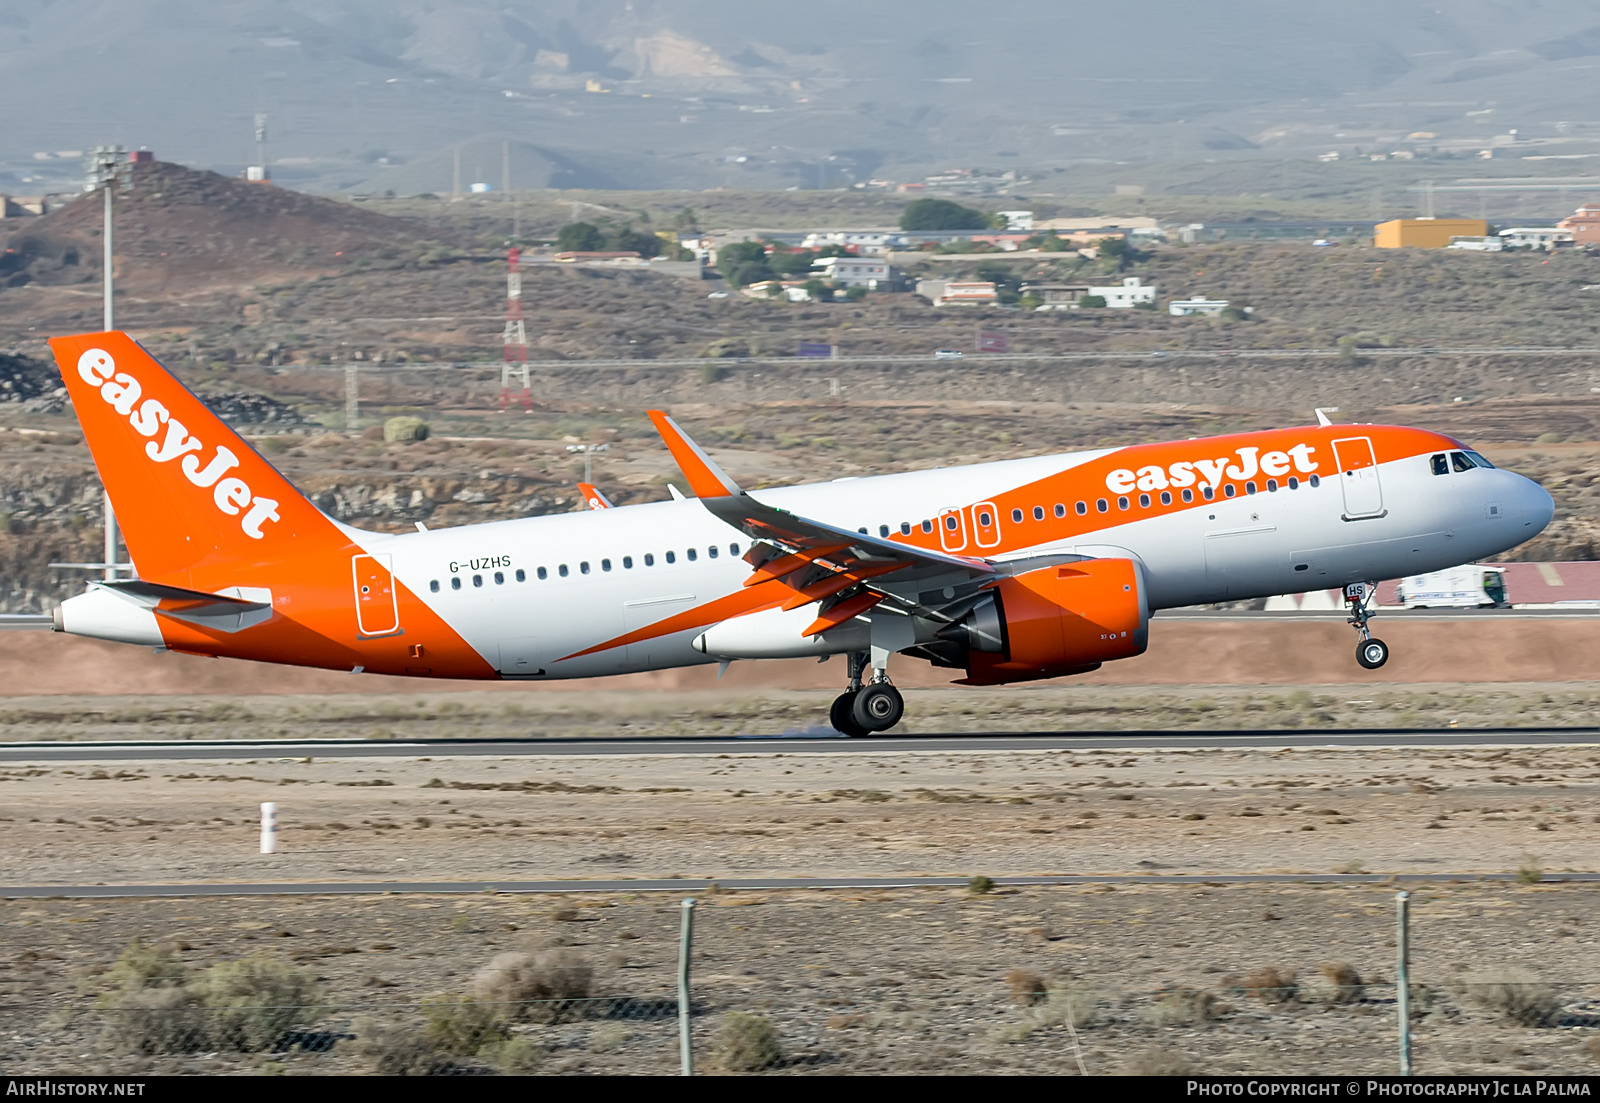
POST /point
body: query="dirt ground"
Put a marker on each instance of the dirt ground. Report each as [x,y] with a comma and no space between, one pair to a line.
[1152,978]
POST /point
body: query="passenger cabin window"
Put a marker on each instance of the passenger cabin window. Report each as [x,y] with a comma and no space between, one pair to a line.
[733,549]
[712,551]
[1229,491]
[1166,497]
[477,580]
[1207,493]
[1082,508]
[434,586]
[542,573]
[499,578]
[584,566]
[1188,495]
[562,570]
[1016,517]
[1440,466]
[905,528]
[455,584]
[1250,487]
[1061,509]
[1038,513]
[522,575]
[649,560]
[1294,483]
[692,554]
[1315,481]
[1272,486]
[672,557]
[605,564]
[1144,501]
[1122,503]
[627,562]
[1100,504]
[883,531]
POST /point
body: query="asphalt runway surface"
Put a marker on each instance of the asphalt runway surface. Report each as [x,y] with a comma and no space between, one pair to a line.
[810,742]
[690,886]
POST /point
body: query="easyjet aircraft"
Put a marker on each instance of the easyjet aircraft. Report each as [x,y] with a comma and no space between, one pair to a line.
[1008,571]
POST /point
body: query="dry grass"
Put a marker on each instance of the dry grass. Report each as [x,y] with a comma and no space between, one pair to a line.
[1334,982]
[1184,1007]
[1271,985]
[1027,988]
[1157,1062]
[528,984]
[1518,995]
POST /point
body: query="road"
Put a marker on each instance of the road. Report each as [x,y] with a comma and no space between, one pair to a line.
[813,742]
[690,886]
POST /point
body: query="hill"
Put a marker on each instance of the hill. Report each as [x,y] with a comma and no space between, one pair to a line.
[180,229]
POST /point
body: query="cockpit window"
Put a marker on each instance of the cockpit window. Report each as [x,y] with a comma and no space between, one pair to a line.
[1459,461]
[1480,461]
[1440,466]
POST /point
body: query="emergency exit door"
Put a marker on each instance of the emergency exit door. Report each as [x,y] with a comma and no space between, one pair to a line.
[377,605]
[1358,478]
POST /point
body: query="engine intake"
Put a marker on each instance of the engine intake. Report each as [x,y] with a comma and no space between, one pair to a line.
[1054,621]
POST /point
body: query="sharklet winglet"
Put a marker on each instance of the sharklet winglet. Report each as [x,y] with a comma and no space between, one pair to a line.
[706,479]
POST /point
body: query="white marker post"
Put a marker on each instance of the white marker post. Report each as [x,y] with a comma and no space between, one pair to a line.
[269,827]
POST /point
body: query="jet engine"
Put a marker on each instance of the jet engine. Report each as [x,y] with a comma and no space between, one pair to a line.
[1053,621]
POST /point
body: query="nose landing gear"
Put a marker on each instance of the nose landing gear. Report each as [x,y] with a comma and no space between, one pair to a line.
[862,710]
[1370,653]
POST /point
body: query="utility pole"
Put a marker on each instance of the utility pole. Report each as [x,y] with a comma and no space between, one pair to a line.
[455,185]
[108,166]
[514,338]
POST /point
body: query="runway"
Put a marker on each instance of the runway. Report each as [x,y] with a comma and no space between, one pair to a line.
[738,884]
[799,743]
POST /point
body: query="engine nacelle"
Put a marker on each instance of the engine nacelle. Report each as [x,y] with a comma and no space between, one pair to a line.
[1054,621]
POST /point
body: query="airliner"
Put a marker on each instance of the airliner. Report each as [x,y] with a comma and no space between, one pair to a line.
[1006,572]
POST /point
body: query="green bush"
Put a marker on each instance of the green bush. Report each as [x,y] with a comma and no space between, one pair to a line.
[252,1002]
[1092,301]
[461,1025]
[747,1043]
[941,214]
[404,430]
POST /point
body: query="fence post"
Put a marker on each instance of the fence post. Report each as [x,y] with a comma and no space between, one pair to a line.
[685,941]
[1402,974]
[269,827]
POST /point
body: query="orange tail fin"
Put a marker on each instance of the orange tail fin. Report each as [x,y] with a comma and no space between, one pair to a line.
[188,491]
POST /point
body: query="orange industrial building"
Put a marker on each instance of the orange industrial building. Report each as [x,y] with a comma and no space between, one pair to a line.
[1426,233]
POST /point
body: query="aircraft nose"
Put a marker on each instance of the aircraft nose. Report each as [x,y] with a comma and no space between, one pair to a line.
[1535,506]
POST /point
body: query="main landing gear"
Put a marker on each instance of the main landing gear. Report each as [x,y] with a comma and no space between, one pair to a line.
[862,710]
[1370,653]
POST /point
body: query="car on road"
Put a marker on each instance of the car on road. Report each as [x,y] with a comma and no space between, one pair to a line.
[946,354]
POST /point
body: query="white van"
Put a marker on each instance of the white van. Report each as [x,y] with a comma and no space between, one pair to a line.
[1470,586]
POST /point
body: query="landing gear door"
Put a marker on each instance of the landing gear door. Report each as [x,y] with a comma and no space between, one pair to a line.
[1358,478]
[377,605]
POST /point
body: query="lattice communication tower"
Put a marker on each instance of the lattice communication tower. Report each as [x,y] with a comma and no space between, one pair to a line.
[515,337]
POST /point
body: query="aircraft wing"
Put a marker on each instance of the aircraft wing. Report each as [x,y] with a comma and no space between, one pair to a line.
[822,562]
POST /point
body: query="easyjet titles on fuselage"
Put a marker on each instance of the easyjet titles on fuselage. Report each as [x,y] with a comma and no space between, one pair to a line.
[122,391]
[1250,462]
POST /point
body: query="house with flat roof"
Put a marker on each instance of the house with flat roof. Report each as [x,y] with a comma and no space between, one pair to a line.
[873,273]
[1535,237]
[1583,225]
[1198,306]
[958,292]
[1128,294]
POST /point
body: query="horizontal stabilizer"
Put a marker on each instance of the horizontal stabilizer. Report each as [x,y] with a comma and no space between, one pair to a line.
[224,612]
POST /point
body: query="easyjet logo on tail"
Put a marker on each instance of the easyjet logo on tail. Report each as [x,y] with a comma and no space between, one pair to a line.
[122,393]
[1250,462]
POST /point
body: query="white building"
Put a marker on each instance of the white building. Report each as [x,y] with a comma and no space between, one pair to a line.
[957,292]
[1195,307]
[862,242]
[1017,220]
[1537,237]
[873,273]
[1130,293]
